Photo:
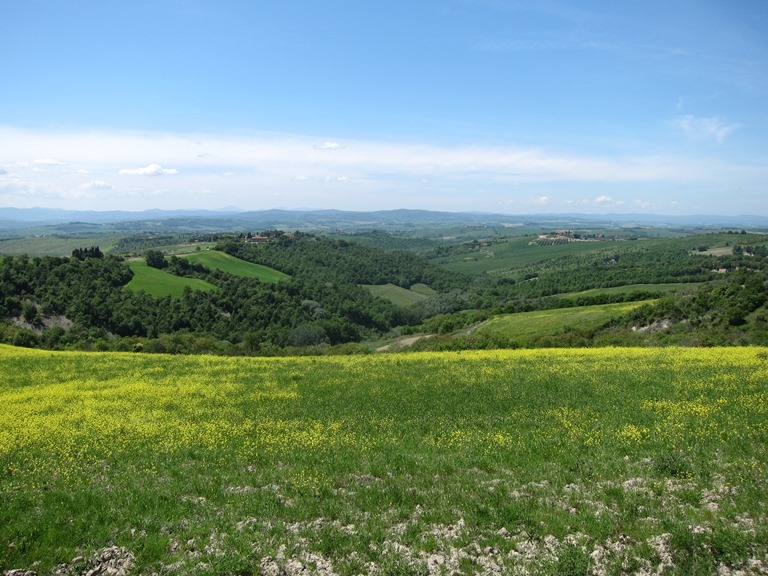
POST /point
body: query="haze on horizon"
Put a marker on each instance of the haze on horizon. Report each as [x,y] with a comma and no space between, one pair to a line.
[499,106]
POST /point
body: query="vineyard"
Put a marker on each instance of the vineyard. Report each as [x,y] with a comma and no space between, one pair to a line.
[594,461]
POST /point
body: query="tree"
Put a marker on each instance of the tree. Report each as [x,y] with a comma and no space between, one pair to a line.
[156,259]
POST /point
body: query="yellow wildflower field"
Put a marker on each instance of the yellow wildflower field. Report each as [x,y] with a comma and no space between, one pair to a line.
[374,464]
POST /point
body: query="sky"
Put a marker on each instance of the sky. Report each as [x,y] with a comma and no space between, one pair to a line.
[505,106]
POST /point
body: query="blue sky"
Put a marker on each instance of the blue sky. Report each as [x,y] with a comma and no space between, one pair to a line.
[463,105]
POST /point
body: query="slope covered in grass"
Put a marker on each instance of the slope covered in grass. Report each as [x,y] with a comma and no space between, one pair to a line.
[526,327]
[398,295]
[216,260]
[545,462]
[159,283]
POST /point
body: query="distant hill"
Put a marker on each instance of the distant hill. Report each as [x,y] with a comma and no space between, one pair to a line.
[339,220]
[18,217]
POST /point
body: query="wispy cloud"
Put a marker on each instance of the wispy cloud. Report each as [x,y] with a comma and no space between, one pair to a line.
[151,170]
[608,201]
[246,170]
[705,128]
[46,162]
[329,146]
[97,185]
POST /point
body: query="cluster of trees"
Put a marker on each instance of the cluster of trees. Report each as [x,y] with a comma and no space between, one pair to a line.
[83,253]
[322,302]
[83,301]
[309,256]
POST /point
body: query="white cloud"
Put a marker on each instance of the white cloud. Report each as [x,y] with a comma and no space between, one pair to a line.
[96,185]
[608,201]
[151,170]
[643,204]
[329,146]
[705,128]
[376,173]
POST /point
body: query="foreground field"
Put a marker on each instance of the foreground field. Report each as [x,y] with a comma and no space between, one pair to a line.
[600,461]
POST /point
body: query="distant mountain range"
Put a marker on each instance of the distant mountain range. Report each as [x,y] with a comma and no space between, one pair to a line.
[19,218]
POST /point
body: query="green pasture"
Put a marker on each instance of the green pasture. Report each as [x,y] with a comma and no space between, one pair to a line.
[401,296]
[542,462]
[216,260]
[526,327]
[159,283]
[628,289]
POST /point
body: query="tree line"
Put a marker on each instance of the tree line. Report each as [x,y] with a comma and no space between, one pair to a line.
[84,302]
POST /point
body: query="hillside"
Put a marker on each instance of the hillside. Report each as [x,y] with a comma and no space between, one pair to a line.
[284,292]
[159,283]
[215,260]
[550,461]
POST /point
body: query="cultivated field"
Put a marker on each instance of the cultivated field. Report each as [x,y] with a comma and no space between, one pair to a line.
[598,461]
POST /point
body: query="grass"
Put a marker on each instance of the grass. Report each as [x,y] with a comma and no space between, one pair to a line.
[663,288]
[401,296]
[604,461]
[526,327]
[216,260]
[159,283]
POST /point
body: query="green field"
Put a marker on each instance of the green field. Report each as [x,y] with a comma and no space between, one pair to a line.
[526,327]
[600,461]
[628,289]
[518,253]
[216,260]
[159,283]
[401,296]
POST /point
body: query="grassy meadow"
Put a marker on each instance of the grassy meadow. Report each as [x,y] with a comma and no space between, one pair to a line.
[216,260]
[401,296]
[525,328]
[665,289]
[590,461]
[159,283]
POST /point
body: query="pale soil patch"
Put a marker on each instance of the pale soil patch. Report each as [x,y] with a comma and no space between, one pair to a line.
[47,322]
[403,343]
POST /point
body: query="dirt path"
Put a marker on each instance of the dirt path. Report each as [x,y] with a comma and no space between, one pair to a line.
[403,343]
